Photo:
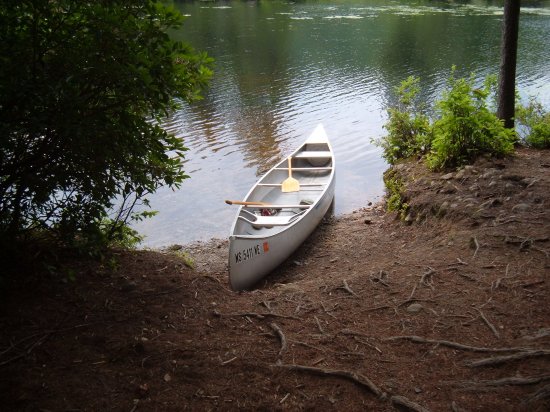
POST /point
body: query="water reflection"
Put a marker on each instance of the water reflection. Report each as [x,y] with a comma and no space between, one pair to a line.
[281,68]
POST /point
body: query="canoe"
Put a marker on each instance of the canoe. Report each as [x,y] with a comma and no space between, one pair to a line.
[273,223]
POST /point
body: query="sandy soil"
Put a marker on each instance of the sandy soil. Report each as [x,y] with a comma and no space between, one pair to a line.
[446,311]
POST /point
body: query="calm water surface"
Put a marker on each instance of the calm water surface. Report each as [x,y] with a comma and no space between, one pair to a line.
[281,68]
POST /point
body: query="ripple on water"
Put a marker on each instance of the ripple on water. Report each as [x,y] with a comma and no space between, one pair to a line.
[337,64]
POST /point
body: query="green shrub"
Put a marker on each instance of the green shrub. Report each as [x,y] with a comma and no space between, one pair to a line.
[395,200]
[534,125]
[465,128]
[408,127]
[83,87]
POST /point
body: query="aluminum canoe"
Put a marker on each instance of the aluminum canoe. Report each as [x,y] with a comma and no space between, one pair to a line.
[264,236]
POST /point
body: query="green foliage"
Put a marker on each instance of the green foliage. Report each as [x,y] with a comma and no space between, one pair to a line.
[534,124]
[465,127]
[180,253]
[395,193]
[186,258]
[409,131]
[82,88]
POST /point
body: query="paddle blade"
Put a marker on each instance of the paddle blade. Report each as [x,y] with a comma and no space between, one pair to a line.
[290,185]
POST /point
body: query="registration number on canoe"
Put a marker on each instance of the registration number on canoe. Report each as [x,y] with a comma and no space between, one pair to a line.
[251,252]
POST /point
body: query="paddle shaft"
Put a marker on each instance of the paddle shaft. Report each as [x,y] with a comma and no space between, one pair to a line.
[261,204]
[289,167]
[238,202]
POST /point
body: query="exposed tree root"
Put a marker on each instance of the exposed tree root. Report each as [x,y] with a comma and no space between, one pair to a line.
[348,289]
[542,333]
[379,278]
[355,377]
[497,360]
[281,336]
[513,380]
[404,402]
[474,244]
[255,315]
[27,350]
[412,293]
[455,345]
[489,324]
[424,279]
[540,395]
[321,330]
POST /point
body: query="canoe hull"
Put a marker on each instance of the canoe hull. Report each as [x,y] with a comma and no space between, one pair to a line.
[252,257]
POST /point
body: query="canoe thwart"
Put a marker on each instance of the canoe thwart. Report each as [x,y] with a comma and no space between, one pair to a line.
[301,185]
[272,206]
[303,169]
[313,155]
[269,221]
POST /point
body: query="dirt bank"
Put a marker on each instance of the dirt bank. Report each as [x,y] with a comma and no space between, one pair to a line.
[447,311]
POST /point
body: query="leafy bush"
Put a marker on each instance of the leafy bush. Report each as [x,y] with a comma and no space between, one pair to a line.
[82,88]
[396,201]
[409,131]
[465,128]
[534,124]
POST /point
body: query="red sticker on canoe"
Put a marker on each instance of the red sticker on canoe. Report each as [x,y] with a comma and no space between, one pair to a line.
[266,247]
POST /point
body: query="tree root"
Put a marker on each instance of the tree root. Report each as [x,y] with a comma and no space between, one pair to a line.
[255,315]
[379,278]
[542,333]
[281,336]
[425,276]
[27,350]
[455,345]
[489,324]
[474,244]
[352,376]
[308,345]
[348,289]
[353,333]
[541,394]
[412,293]
[319,325]
[531,380]
[361,380]
[43,337]
[404,402]
[497,360]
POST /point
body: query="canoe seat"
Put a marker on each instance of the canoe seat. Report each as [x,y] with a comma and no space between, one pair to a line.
[302,169]
[270,221]
[301,184]
[313,155]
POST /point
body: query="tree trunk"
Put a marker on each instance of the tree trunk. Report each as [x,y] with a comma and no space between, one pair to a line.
[509,48]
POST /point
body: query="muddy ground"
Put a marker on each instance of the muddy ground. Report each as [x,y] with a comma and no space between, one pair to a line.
[446,311]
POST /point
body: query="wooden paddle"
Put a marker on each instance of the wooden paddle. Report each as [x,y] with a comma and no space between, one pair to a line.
[290,184]
[238,202]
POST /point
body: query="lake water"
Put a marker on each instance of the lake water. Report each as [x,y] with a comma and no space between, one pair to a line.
[283,67]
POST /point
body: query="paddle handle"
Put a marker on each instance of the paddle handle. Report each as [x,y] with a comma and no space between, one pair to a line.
[238,202]
[289,167]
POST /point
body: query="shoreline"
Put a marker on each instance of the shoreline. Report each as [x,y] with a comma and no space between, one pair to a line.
[379,200]
[375,310]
